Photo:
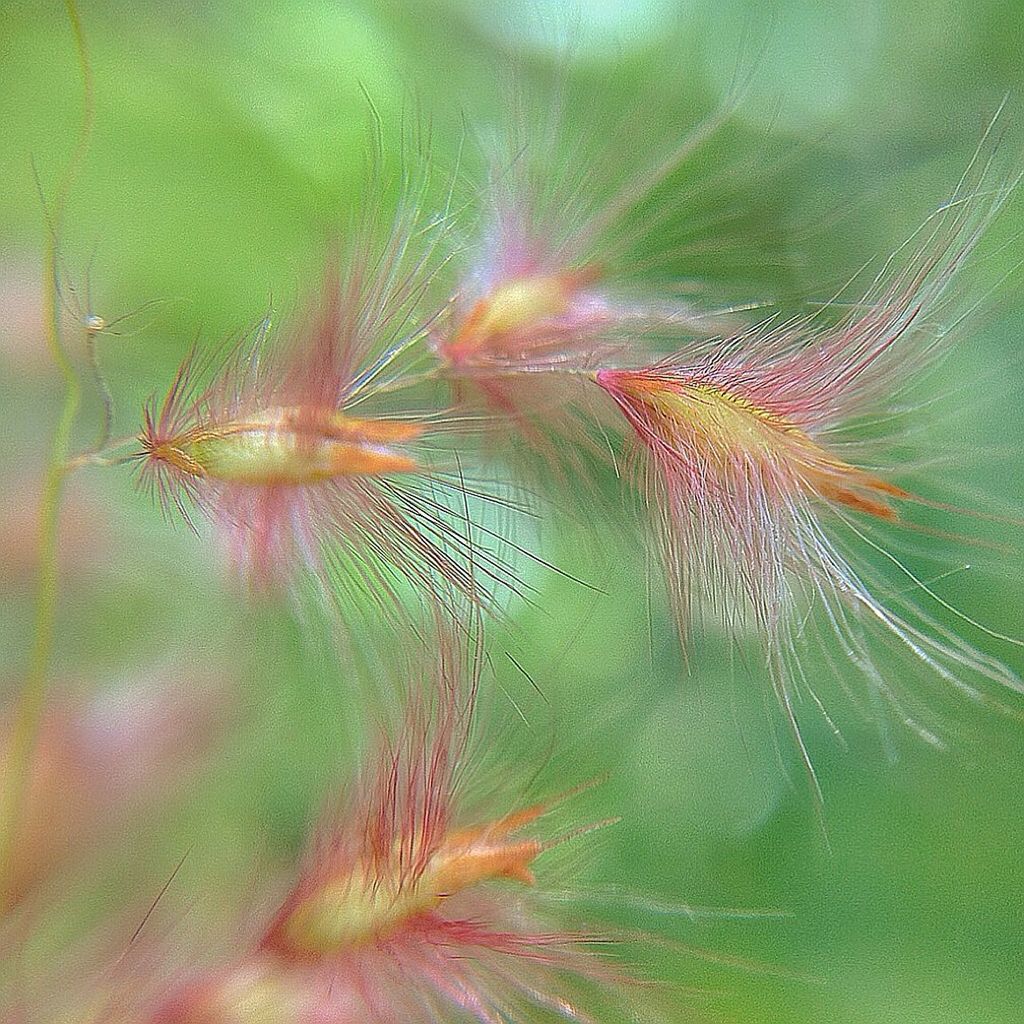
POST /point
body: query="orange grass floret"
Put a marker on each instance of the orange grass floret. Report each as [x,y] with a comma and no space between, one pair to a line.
[302,456]
[419,904]
[547,287]
[765,502]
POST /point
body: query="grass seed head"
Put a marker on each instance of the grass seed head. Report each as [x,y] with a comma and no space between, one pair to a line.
[764,500]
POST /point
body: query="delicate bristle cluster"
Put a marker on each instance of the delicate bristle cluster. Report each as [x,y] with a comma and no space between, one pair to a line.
[281,452]
[456,364]
[759,493]
[762,500]
[414,904]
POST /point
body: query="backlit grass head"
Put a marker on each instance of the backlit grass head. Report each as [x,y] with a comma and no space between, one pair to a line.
[548,281]
[303,455]
[764,501]
[422,897]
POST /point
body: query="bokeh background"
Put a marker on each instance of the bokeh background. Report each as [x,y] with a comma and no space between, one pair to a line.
[230,141]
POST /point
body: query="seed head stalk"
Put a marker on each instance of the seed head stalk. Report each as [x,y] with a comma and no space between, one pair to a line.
[32,699]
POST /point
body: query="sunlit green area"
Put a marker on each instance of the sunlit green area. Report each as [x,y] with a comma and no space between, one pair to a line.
[231,144]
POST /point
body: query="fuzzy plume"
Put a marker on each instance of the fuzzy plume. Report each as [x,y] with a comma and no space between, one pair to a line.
[550,284]
[292,454]
[765,501]
[417,905]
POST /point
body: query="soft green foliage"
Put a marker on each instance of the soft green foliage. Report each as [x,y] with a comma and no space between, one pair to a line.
[229,144]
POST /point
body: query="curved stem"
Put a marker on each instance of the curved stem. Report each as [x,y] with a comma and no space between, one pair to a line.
[112,454]
[32,700]
[103,437]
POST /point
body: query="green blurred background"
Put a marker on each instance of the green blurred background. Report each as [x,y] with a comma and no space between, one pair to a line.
[230,140]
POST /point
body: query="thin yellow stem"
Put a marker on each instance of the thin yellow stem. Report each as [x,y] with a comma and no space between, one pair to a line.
[32,700]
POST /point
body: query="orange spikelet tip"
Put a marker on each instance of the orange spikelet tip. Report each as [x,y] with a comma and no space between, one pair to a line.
[292,454]
[549,287]
[690,411]
[414,906]
[360,907]
[760,507]
[515,316]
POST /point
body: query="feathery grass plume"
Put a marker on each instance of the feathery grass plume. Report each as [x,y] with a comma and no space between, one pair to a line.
[766,496]
[557,277]
[296,455]
[418,902]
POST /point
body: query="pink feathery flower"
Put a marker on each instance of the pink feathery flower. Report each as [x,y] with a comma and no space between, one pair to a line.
[293,456]
[417,905]
[551,285]
[764,500]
